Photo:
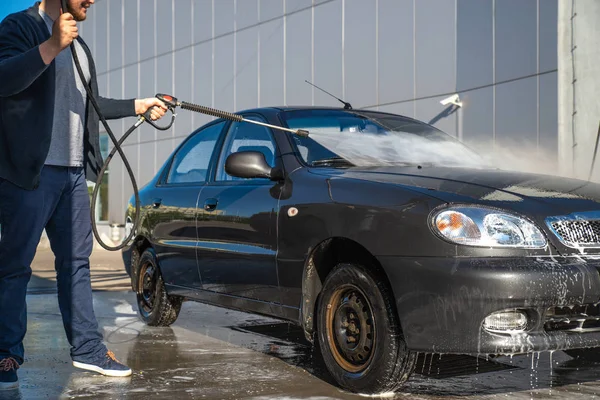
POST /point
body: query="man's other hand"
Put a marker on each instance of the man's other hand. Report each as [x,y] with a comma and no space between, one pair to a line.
[158,108]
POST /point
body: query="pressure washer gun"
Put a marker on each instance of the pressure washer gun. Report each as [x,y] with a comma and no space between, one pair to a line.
[172,103]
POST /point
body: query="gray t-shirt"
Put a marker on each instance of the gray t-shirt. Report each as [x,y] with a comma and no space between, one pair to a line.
[66,147]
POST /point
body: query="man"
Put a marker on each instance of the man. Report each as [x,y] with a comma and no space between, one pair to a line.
[49,145]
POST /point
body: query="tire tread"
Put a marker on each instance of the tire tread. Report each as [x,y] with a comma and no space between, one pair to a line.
[402,363]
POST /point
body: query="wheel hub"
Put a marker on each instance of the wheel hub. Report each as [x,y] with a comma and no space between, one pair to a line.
[148,287]
[351,336]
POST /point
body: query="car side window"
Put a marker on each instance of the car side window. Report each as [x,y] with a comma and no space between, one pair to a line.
[244,136]
[190,164]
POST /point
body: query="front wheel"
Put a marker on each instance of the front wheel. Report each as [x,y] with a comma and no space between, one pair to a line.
[155,306]
[359,333]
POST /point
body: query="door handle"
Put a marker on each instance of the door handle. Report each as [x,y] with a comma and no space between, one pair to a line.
[210,204]
[156,203]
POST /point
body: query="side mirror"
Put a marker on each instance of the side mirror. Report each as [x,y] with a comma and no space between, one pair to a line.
[248,164]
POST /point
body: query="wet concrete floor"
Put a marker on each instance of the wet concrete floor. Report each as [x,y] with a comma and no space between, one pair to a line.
[213,353]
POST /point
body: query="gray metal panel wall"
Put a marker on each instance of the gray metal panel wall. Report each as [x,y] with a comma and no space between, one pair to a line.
[506,73]
[578,87]
[401,56]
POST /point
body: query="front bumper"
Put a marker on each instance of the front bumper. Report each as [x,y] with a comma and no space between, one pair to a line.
[442,302]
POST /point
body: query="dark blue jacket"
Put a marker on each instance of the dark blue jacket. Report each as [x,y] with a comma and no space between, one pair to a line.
[27,103]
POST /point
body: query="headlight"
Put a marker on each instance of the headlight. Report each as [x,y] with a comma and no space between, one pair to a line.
[486,227]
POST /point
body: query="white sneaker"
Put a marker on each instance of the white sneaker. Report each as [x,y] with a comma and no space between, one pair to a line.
[108,366]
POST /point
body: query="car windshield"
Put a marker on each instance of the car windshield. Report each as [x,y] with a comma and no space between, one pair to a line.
[363,138]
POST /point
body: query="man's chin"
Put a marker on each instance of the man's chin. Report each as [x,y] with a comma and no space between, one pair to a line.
[79,16]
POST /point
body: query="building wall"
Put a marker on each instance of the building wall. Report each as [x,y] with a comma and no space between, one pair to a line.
[401,56]
[579,87]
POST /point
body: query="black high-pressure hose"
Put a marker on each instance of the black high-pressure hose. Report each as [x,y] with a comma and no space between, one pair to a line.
[117,147]
[171,103]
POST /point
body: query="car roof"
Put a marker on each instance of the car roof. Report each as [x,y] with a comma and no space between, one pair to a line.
[271,109]
[303,108]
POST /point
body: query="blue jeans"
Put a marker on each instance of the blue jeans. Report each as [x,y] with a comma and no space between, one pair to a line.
[61,205]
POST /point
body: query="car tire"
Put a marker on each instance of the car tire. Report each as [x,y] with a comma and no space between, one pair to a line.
[155,306]
[359,333]
[588,354]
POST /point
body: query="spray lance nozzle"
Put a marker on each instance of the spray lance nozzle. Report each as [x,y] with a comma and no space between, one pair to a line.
[302,133]
[172,102]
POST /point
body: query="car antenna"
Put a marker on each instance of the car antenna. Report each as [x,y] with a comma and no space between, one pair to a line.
[347,106]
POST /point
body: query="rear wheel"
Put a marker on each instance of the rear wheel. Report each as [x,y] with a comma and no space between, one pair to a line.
[155,306]
[359,333]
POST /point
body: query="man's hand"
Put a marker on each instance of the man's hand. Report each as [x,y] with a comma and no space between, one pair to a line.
[159,108]
[64,31]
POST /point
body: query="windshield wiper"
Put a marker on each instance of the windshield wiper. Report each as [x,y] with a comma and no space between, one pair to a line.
[413,164]
[331,161]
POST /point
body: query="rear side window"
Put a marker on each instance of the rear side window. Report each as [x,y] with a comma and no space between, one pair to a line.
[191,163]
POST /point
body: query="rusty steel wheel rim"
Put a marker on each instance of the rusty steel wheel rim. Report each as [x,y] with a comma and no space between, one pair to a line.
[350,329]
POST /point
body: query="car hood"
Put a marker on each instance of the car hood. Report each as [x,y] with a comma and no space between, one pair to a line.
[526,192]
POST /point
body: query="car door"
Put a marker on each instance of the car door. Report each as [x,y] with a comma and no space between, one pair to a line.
[237,236]
[175,206]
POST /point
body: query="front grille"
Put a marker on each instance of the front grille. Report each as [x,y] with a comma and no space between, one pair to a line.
[580,318]
[577,232]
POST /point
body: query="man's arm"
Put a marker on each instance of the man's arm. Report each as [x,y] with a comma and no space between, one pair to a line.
[115,109]
[21,63]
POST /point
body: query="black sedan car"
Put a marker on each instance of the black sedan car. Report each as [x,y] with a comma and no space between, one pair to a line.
[377,256]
